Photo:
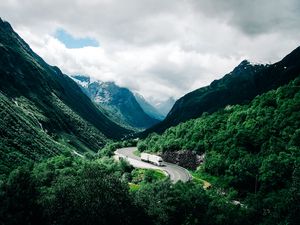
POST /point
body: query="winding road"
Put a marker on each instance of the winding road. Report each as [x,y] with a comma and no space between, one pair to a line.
[176,173]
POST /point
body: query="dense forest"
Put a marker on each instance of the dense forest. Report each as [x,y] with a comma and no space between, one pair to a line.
[252,149]
[67,190]
[254,175]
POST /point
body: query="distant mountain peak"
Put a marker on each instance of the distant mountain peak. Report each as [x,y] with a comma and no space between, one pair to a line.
[119,102]
[164,107]
[148,107]
[245,68]
[240,86]
[84,81]
[5,24]
[244,63]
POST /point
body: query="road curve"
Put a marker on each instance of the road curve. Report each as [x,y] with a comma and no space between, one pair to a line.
[175,172]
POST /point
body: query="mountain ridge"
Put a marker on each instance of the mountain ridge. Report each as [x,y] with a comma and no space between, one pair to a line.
[240,86]
[119,103]
[40,114]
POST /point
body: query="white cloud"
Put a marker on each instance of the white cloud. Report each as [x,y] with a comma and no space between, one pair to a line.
[158,48]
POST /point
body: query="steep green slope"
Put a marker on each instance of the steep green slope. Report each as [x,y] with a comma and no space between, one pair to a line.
[119,103]
[254,149]
[40,106]
[238,87]
[274,115]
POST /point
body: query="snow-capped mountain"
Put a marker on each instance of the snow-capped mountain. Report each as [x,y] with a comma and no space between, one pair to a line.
[118,103]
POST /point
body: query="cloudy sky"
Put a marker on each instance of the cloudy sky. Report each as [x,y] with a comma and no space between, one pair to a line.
[159,48]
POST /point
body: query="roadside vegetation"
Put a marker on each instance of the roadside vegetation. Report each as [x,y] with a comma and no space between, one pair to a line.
[139,176]
[251,152]
[250,175]
[69,189]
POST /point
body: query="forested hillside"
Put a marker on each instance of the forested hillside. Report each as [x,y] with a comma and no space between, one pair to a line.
[240,86]
[43,111]
[254,149]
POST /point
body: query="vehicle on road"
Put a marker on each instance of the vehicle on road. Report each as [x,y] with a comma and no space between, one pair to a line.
[175,172]
[154,159]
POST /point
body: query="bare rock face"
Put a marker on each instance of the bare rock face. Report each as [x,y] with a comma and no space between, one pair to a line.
[119,103]
[184,158]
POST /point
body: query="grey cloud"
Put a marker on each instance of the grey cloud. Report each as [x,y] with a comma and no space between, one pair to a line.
[254,17]
[159,48]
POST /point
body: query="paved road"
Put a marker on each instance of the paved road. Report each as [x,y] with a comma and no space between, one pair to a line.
[175,172]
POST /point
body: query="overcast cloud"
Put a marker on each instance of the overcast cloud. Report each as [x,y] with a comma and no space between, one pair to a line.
[159,48]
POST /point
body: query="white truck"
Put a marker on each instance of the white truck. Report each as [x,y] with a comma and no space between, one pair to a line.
[154,159]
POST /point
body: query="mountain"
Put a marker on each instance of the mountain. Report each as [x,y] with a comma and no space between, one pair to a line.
[148,108]
[252,150]
[43,111]
[119,103]
[165,106]
[240,86]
